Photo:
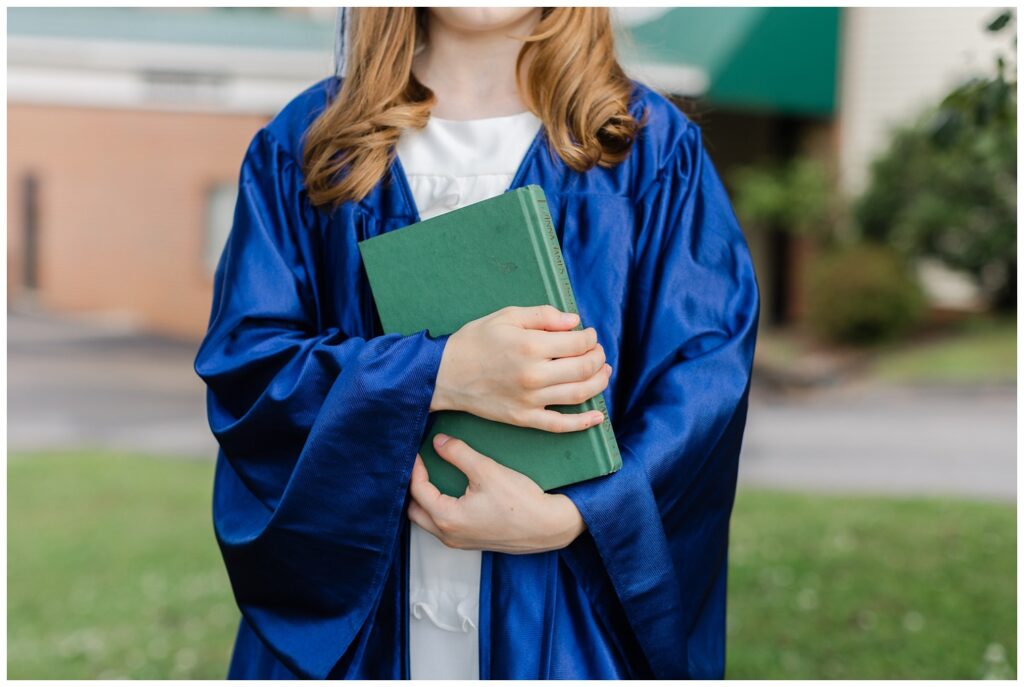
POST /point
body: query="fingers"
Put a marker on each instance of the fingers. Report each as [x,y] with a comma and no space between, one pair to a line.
[462,456]
[419,485]
[428,506]
[575,392]
[419,470]
[572,369]
[562,344]
[420,516]
[560,423]
[543,317]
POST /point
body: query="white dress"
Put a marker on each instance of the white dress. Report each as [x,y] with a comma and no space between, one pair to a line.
[449,164]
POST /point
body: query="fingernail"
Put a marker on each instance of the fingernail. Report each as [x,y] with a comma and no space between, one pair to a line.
[598,418]
[441,439]
[569,318]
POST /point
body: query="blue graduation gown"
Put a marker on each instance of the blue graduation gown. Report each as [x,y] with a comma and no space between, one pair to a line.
[319,416]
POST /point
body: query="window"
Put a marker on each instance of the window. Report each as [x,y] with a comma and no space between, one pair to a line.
[220,213]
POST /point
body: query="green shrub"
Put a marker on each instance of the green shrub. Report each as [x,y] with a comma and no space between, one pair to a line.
[796,196]
[863,294]
[947,185]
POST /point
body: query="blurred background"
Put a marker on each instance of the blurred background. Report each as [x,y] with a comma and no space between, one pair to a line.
[871,156]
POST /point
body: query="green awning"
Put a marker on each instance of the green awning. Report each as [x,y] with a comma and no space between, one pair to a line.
[752,58]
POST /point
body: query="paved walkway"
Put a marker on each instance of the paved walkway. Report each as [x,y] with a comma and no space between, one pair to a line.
[74,384]
[79,384]
[882,439]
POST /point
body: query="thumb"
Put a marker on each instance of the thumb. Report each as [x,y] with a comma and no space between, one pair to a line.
[462,456]
[545,317]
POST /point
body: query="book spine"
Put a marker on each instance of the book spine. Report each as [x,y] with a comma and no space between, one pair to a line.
[560,294]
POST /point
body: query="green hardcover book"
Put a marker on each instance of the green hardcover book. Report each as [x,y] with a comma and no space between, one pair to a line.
[443,272]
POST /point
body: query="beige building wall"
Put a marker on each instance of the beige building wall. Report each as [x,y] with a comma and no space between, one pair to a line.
[122,201]
[894,62]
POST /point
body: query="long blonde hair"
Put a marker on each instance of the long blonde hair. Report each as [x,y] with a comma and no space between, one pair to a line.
[571,81]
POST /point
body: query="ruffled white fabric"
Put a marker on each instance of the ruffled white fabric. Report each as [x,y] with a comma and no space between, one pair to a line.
[449,164]
[429,604]
[444,584]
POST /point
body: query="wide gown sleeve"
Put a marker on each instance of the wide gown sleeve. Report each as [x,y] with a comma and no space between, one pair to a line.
[660,525]
[318,429]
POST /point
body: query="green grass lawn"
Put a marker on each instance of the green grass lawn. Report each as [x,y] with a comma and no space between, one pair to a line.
[978,350]
[112,569]
[871,588]
[113,572]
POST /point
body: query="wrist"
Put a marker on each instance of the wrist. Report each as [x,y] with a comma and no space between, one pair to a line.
[447,391]
[570,523]
[442,398]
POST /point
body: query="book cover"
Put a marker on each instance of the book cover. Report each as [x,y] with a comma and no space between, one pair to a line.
[443,272]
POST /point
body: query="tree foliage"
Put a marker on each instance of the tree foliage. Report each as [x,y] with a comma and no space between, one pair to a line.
[947,186]
[796,196]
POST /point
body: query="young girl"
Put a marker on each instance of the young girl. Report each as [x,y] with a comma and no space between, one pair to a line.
[345,561]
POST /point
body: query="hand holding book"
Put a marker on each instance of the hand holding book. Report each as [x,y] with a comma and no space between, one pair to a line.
[502,510]
[510,365]
[516,382]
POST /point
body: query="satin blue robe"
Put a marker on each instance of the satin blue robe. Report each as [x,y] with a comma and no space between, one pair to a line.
[318,418]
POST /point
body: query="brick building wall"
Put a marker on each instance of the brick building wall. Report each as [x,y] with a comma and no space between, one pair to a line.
[122,208]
